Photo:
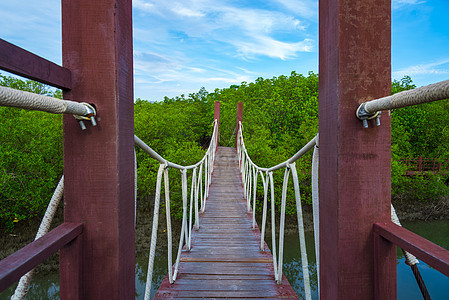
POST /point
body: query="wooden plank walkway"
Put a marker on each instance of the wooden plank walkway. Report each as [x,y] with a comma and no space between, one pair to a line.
[225,260]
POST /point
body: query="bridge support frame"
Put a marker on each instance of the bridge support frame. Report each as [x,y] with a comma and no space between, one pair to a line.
[99,161]
[355,178]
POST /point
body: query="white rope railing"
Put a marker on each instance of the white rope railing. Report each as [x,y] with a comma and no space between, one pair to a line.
[316,207]
[429,93]
[201,171]
[44,227]
[21,99]
[410,259]
[250,172]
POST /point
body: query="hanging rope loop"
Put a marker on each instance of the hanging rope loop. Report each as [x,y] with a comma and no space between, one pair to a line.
[250,172]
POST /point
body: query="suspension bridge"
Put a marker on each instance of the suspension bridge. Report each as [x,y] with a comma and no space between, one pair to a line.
[221,253]
[225,259]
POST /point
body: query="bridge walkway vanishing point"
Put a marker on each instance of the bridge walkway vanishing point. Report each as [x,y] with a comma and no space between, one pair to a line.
[225,260]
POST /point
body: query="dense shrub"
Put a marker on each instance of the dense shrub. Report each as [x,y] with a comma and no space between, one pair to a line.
[30,157]
[280,116]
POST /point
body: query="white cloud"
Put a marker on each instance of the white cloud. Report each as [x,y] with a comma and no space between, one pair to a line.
[304,8]
[252,31]
[143,5]
[267,46]
[187,12]
[172,75]
[33,25]
[402,3]
[434,68]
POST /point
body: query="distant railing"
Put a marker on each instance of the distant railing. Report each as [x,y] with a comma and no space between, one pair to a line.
[421,165]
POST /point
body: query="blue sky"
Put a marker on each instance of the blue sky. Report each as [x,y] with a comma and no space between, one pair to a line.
[181,46]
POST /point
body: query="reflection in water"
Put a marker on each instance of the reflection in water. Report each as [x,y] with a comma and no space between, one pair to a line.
[292,264]
[47,287]
[436,283]
[159,273]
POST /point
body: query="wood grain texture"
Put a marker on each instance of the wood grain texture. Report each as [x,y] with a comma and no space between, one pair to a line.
[27,258]
[355,168]
[430,253]
[225,260]
[21,62]
[99,161]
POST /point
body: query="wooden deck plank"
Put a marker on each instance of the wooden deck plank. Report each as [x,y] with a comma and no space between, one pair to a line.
[225,260]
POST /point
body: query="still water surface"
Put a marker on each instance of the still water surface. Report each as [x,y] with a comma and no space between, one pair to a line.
[47,287]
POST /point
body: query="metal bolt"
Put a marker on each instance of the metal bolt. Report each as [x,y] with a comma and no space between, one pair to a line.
[365,123]
[378,120]
[83,126]
[92,119]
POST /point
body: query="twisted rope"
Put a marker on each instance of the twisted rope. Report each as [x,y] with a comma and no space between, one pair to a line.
[250,172]
[197,193]
[157,199]
[44,227]
[428,93]
[302,238]
[20,99]
[316,207]
[411,260]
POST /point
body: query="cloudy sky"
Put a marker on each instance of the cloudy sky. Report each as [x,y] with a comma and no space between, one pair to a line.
[181,46]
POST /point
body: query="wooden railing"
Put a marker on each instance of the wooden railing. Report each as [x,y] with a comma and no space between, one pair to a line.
[97,56]
[19,263]
[388,235]
[421,165]
[24,63]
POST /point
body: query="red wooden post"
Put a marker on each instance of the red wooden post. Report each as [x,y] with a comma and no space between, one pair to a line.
[355,175]
[217,117]
[99,162]
[420,168]
[239,119]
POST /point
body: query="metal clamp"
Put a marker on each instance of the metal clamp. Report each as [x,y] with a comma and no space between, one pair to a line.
[364,116]
[89,116]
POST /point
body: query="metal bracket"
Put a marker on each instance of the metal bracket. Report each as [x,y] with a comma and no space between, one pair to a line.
[89,116]
[364,116]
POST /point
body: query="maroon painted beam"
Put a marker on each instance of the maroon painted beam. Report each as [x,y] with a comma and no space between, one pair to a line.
[432,254]
[382,267]
[99,162]
[19,263]
[354,171]
[239,119]
[21,62]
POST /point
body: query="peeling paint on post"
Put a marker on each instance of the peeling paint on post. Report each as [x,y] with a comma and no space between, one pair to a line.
[99,161]
[355,50]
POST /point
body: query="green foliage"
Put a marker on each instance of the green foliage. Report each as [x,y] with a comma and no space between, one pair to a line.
[30,156]
[280,117]
[419,130]
[179,129]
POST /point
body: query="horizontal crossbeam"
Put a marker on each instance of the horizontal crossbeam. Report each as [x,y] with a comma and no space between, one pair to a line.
[27,258]
[432,254]
[21,62]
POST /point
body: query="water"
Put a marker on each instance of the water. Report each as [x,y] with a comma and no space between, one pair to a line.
[47,287]
[437,284]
